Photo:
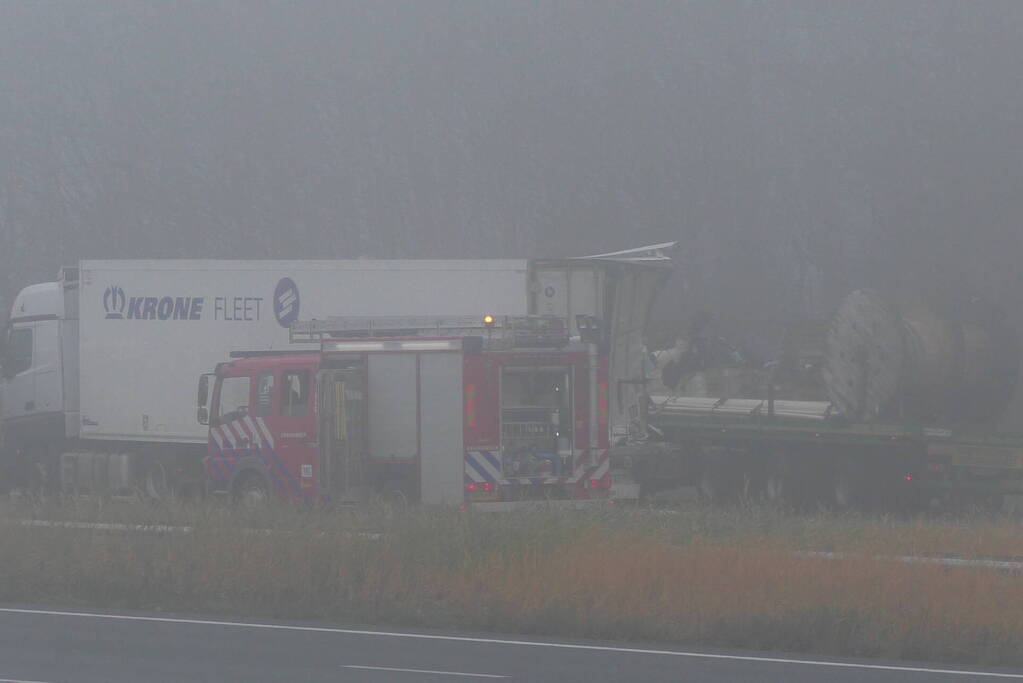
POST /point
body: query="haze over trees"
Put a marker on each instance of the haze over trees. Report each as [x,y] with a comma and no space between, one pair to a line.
[796,149]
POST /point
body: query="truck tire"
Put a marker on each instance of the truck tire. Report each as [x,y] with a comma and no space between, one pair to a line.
[779,484]
[251,491]
[155,485]
[717,484]
[395,496]
[776,488]
[43,473]
[847,488]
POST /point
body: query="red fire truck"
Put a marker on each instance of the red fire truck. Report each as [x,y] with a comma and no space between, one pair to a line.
[489,412]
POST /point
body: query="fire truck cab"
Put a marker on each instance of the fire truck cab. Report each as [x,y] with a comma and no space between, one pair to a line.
[484,412]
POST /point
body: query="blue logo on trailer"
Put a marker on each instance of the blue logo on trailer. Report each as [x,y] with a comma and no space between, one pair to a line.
[114,302]
[286,302]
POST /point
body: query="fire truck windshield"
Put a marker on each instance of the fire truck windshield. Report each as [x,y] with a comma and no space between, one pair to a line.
[233,400]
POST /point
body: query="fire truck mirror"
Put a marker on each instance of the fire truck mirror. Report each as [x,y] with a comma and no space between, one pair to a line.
[204,389]
[202,414]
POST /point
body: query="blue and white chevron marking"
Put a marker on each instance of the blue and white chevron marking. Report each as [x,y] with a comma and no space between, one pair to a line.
[483,466]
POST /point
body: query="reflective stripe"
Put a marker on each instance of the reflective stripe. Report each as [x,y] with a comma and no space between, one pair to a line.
[257,436]
[477,471]
[483,466]
[264,432]
[213,460]
[228,435]
[217,439]
[235,428]
[492,459]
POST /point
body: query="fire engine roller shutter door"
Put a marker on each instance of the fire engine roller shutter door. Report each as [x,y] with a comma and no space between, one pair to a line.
[442,459]
[392,405]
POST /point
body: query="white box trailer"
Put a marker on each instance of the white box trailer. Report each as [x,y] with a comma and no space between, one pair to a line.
[149,328]
[101,366]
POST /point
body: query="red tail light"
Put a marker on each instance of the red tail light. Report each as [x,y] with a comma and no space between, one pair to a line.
[471,486]
[484,486]
[908,477]
[604,483]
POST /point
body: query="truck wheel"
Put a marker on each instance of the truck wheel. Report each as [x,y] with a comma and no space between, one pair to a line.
[21,475]
[394,495]
[156,486]
[775,488]
[846,488]
[43,475]
[252,492]
[716,485]
[984,504]
[778,486]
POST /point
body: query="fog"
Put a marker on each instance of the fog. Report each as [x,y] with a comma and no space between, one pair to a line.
[797,150]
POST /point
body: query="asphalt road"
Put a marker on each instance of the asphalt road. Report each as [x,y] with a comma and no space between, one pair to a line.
[46,646]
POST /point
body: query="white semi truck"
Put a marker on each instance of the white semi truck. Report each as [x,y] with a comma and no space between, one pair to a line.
[100,366]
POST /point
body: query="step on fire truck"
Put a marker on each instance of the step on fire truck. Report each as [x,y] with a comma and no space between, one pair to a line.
[486,412]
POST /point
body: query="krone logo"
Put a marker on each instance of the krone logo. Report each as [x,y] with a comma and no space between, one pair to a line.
[114,302]
[286,302]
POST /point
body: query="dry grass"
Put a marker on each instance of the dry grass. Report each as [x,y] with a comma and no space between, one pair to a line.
[758,596]
[703,577]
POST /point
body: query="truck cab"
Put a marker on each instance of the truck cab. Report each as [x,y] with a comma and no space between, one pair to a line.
[34,358]
[39,400]
[263,425]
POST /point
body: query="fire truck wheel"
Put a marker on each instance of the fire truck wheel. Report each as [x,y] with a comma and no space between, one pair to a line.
[251,491]
[395,496]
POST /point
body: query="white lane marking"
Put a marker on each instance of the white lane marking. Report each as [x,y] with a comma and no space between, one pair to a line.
[420,671]
[1005,565]
[20,680]
[101,526]
[164,528]
[501,641]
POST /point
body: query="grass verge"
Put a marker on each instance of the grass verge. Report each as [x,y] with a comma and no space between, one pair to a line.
[702,577]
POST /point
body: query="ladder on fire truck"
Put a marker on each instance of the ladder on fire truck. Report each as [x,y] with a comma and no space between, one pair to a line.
[497,331]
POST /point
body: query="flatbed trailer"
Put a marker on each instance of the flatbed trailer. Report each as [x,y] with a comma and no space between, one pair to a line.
[800,453]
